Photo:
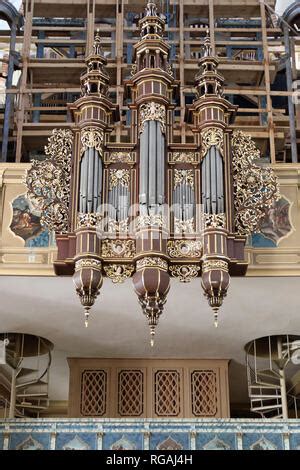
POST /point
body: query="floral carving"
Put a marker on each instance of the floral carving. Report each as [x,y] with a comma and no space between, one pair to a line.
[184,248]
[48,181]
[209,137]
[152,112]
[183,226]
[92,137]
[183,157]
[214,220]
[185,272]
[89,219]
[118,272]
[255,188]
[151,220]
[120,157]
[184,176]
[152,262]
[119,177]
[118,248]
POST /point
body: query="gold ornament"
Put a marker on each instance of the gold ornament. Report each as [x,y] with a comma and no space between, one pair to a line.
[92,137]
[118,248]
[118,272]
[120,157]
[183,226]
[209,265]
[183,157]
[184,176]
[117,177]
[255,188]
[184,248]
[185,272]
[209,137]
[214,220]
[152,112]
[152,262]
[151,220]
[89,219]
[48,181]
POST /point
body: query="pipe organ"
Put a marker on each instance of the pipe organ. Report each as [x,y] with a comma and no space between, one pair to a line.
[152,208]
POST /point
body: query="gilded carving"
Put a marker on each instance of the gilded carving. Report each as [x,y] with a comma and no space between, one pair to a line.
[183,157]
[211,264]
[151,220]
[255,187]
[183,226]
[209,137]
[92,137]
[117,177]
[215,220]
[89,219]
[184,176]
[120,157]
[48,181]
[152,262]
[120,226]
[185,272]
[152,112]
[119,272]
[88,263]
[184,248]
[118,248]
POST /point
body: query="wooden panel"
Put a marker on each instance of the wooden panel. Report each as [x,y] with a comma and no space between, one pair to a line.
[148,388]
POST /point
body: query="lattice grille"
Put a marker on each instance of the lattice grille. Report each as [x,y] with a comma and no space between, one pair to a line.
[204,392]
[167,392]
[93,392]
[131,393]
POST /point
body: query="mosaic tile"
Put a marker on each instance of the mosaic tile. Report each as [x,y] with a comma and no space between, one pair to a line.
[76,441]
[269,441]
[29,441]
[170,441]
[123,441]
[220,441]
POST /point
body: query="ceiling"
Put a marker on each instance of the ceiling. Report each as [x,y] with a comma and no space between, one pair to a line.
[49,307]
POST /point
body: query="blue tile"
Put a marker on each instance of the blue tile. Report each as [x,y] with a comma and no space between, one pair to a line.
[262,441]
[295,441]
[29,441]
[216,441]
[76,441]
[123,441]
[168,441]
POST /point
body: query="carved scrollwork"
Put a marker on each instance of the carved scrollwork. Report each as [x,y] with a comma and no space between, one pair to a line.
[185,272]
[118,248]
[120,157]
[152,262]
[88,263]
[211,264]
[89,219]
[152,112]
[117,226]
[209,137]
[255,188]
[184,248]
[92,137]
[215,220]
[119,272]
[119,177]
[184,226]
[48,181]
[151,220]
[183,157]
[184,176]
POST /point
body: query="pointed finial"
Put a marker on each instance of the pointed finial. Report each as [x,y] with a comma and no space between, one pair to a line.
[152,334]
[97,43]
[151,8]
[216,316]
[86,314]
[207,45]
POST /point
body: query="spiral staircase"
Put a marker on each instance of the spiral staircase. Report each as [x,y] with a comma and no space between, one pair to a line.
[273,373]
[24,375]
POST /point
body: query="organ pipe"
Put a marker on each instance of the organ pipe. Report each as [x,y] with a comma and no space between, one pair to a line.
[212,182]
